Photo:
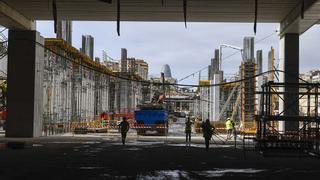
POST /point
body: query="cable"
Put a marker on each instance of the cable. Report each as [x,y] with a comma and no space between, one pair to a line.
[154,83]
[193,73]
[258,41]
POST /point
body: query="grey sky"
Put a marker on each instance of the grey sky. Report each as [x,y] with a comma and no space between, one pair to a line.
[185,50]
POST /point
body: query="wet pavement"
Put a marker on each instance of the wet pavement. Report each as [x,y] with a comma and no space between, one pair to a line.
[152,157]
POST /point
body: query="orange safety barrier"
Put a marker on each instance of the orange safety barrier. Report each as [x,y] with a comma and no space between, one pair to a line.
[127,115]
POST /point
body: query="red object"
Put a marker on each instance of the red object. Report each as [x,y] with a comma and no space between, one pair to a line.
[127,115]
[104,116]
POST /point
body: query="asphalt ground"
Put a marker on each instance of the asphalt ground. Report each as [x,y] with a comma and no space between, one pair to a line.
[102,156]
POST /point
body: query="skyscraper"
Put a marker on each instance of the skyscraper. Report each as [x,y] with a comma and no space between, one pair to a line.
[65,31]
[166,70]
[124,57]
[87,45]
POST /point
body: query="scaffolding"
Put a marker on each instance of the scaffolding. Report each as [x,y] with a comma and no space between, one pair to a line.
[248,90]
[306,138]
[77,90]
[229,96]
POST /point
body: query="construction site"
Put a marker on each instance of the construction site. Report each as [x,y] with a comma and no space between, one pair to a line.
[60,100]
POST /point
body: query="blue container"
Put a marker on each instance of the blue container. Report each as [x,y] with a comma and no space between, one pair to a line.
[151,117]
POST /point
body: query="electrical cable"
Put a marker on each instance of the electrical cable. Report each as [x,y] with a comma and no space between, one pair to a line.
[154,83]
[258,41]
[193,74]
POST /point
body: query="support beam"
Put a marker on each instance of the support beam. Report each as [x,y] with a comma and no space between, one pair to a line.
[289,63]
[293,22]
[12,19]
[25,69]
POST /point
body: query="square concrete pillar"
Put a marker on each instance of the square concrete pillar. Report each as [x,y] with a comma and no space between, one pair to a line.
[289,63]
[25,70]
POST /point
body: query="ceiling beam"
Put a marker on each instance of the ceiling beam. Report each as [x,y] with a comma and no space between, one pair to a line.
[12,19]
[294,23]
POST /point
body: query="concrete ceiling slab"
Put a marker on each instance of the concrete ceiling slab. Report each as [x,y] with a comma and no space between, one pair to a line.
[152,10]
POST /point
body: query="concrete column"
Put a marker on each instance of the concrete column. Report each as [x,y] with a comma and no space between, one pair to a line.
[289,62]
[25,70]
[259,79]
[215,98]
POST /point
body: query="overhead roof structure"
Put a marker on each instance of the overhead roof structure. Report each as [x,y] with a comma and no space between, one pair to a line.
[275,11]
[152,10]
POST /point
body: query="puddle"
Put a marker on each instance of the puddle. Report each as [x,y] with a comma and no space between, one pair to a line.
[166,174]
[75,142]
[144,143]
[187,145]
[177,174]
[200,145]
[222,172]
[140,143]
[132,149]
[37,145]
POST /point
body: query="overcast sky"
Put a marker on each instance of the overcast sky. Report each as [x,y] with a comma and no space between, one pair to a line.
[185,50]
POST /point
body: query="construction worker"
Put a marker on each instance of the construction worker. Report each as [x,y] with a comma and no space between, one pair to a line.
[207,130]
[124,128]
[229,128]
[188,130]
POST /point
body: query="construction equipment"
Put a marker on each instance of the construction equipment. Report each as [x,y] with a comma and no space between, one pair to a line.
[152,116]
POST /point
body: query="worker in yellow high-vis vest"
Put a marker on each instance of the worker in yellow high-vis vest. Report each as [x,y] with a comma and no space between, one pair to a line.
[229,128]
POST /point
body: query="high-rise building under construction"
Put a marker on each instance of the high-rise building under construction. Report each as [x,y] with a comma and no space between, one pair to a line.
[88,45]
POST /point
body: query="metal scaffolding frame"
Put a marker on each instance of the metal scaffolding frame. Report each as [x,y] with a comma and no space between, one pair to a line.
[77,90]
[306,138]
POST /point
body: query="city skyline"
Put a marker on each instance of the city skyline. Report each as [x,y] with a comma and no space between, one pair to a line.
[185,50]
